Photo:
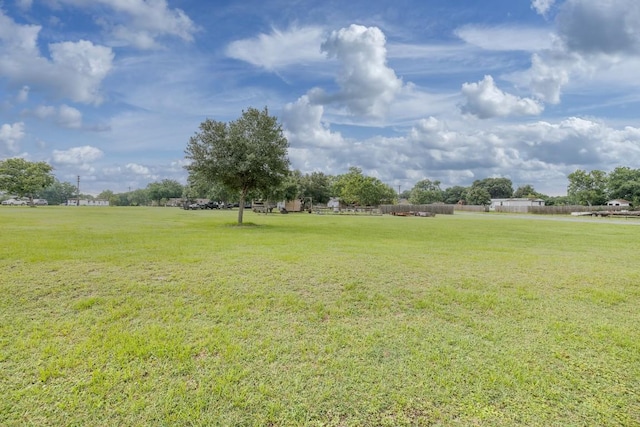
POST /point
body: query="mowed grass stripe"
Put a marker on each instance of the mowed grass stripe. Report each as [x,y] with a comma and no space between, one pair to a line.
[159,316]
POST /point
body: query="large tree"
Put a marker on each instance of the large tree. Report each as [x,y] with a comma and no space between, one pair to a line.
[317,185]
[58,192]
[498,188]
[476,195]
[425,192]
[356,188]
[455,194]
[139,197]
[22,178]
[624,183]
[247,154]
[165,189]
[587,188]
[526,190]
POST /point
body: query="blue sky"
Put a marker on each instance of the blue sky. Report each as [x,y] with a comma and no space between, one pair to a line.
[454,91]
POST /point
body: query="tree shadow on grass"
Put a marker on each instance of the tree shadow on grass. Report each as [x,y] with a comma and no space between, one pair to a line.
[245,225]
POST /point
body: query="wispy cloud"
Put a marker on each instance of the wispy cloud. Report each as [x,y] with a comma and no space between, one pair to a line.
[279,49]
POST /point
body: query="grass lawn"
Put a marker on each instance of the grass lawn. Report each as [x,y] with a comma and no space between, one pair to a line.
[160,316]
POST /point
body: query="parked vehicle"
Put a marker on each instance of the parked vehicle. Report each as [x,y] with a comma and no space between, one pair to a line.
[40,202]
[194,205]
[14,202]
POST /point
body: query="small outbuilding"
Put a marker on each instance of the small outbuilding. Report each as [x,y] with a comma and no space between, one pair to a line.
[515,202]
[290,205]
[618,202]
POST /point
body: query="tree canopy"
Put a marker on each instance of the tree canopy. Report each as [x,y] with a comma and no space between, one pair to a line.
[587,188]
[624,183]
[476,195]
[244,155]
[165,189]
[453,195]
[498,188]
[22,178]
[356,188]
[318,186]
[526,190]
[425,192]
[58,193]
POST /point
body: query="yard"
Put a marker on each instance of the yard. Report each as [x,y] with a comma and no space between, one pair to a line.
[160,316]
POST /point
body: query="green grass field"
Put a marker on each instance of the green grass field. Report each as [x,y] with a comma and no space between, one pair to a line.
[159,316]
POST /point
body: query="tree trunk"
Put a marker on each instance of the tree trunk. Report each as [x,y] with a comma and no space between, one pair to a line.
[243,196]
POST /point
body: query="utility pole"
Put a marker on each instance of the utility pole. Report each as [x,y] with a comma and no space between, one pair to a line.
[78,191]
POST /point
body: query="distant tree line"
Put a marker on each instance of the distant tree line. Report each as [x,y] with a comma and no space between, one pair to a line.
[596,187]
[354,187]
[158,193]
[19,177]
[585,188]
[479,193]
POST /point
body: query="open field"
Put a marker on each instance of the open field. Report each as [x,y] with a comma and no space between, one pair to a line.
[159,316]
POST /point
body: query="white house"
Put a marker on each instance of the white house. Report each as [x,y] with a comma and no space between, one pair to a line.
[333,202]
[515,202]
[618,202]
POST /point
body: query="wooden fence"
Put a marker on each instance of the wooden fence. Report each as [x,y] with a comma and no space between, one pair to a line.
[434,209]
[555,210]
[539,210]
[471,208]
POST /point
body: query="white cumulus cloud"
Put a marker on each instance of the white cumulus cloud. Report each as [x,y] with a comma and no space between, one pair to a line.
[17,37]
[600,27]
[10,135]
[77,155]
[549,75]
[577,141]
[64,115]
[85,65]
[304,126]
[69,117]
[138,169]
[75,70]
[367,84]
[593,37]
[311,140]
[542,153]
[486,100]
